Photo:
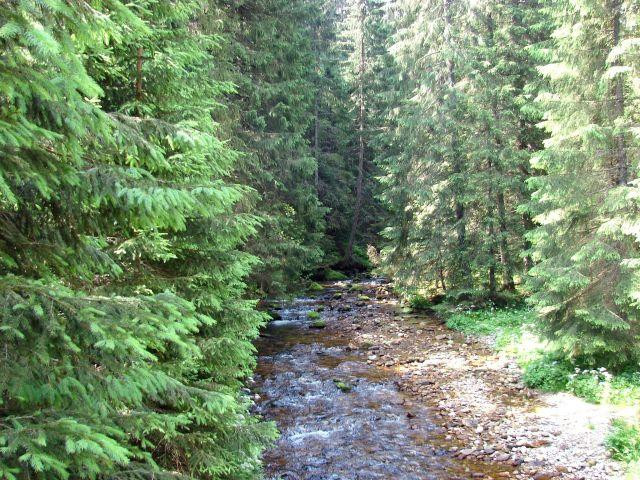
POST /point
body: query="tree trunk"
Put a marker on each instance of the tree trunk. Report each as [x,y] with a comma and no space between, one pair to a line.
[316,144]
[620,147]
[505,258]
[528,225]
[139,75]
[316,107]
[360,180]
[444,285]
[461,228]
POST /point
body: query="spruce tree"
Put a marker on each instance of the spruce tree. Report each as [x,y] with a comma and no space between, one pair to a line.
[586,281]
[125,335]
[269,58]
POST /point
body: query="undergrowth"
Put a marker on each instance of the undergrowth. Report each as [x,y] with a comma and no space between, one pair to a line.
[624,441]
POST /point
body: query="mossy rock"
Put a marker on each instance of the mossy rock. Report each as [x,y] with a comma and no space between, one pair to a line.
[337,295]
[342,386]
[318,324]
[334,275]
[315,287]
[363,298]
[313,315]
[406,310]
[356,287]
[320,308]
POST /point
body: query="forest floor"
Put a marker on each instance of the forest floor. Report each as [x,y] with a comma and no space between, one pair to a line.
[482,412]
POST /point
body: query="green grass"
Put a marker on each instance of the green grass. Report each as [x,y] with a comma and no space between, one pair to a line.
[506,325]
[544,368]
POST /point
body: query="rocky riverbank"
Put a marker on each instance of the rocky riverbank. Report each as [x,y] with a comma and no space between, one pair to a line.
[479,403]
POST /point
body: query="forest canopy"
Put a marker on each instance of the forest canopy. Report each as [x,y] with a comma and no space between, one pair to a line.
[166,164]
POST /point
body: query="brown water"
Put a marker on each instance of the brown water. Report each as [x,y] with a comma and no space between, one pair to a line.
[373,431]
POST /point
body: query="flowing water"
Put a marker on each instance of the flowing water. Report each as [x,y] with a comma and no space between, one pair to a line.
[340,418]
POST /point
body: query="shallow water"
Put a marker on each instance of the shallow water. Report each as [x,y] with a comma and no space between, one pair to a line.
[372,431]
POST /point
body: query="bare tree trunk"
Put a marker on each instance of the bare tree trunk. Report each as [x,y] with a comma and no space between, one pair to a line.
[139,75]
[621,150]
[505,258]
[316,126]
[444,285]
[461,228]
[316,144]
[359,184]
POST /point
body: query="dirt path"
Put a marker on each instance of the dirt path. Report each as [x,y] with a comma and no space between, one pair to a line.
[466,405]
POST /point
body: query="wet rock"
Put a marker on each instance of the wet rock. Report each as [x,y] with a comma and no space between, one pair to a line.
[502,457]
[466,452]
[545,475]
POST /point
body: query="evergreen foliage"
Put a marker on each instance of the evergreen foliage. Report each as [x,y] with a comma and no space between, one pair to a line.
[125,334]
[163,161]
[585,282]
[460,136]
[270,58]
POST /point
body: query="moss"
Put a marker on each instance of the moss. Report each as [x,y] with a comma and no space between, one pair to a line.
[318,324]
[313,315]
[334,275]
[315,287]
[344,387]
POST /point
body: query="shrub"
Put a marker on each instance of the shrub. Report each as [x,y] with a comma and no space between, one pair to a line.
[625,389]
[624,441]
[419,302]
[361,259]
[586,386]
[489,321]
[547,373]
